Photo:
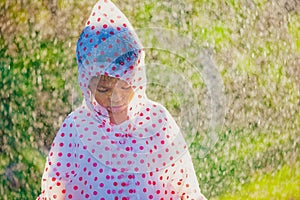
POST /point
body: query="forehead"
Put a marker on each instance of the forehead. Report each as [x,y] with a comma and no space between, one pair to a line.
[106,81]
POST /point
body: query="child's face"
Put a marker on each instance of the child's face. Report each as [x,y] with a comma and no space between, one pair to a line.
[111,93]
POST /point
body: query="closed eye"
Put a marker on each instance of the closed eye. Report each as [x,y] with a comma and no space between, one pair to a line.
[102,90]
[126,87]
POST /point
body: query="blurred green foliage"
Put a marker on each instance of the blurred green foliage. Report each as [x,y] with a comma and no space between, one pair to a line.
[255,44]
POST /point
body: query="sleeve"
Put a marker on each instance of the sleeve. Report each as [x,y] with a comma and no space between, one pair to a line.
[184,180]
[60,163]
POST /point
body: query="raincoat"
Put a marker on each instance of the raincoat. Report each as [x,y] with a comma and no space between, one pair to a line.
[144,157]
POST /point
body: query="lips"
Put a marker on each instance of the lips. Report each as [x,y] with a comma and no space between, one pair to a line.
[116,108]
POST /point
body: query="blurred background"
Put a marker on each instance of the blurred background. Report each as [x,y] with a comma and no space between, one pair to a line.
[255,45]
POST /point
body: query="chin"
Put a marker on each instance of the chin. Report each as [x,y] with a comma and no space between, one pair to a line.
[120,110]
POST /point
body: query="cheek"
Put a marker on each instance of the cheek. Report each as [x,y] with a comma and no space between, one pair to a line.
[130,95]
[102,100]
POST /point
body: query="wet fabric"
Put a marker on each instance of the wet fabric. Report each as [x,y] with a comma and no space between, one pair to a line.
[144,157]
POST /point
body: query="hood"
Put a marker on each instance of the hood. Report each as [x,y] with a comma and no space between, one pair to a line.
[109,46]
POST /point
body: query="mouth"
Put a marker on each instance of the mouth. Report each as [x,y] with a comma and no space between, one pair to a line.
[116,108]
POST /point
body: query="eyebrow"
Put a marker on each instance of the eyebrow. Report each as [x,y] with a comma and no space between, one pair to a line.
[109,87]
[105,82]
[104,86]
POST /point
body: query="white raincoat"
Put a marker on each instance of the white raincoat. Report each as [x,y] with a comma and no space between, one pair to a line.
[144,157]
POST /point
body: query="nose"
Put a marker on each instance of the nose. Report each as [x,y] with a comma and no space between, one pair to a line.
[116,96]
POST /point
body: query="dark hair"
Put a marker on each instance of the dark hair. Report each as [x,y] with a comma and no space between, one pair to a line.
[91,39]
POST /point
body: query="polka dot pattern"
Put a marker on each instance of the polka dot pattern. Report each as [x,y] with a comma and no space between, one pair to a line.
[144,157]
[79,169]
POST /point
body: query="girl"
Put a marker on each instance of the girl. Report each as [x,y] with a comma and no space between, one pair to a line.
[118,144]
